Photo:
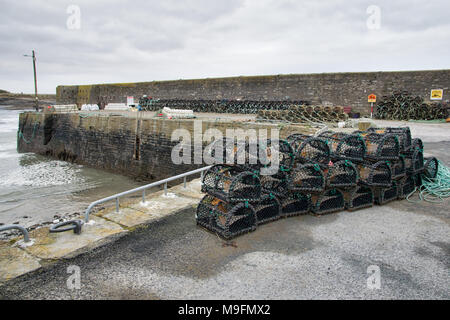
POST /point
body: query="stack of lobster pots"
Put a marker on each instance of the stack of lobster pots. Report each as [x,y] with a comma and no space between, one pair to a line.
[313,174]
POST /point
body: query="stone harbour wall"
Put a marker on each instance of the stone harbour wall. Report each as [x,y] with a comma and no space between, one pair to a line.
[333,89]
[139,148]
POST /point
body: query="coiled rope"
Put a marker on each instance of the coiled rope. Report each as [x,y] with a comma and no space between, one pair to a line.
[434,190]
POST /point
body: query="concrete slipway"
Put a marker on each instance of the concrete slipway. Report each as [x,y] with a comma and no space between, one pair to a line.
[155,251]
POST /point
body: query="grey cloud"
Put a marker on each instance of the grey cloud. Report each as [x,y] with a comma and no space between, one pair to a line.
[126,41]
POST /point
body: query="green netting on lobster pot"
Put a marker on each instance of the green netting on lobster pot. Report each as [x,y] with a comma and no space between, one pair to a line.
[398,168]
[358,197]
[330,200]
[225,219]
[406,186]
[341,174]
[310,149]
[385,195]
[345,146]
[277,154]
[295,203]
[231,183]
[267,209]
[306,177]
[417,143]
[223,151]
[381,146]
[276,184]
[414,161]
[417,179]
[375,174]
[430,168]
[402,133]
[233,151]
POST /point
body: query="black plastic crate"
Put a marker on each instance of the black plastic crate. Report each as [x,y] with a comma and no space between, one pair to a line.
[345,146]
[267,209]
[330,200]
[341,174]
[358,197]
[231,183]
[295,203]
[375,174]
[306,178]
[309,149]
[227,220]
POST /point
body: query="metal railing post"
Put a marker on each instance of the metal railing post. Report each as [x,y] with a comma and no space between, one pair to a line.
[143,188]
[24,231]
[184,182]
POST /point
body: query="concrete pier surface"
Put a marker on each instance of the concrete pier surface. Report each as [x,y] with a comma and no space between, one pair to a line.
[302,257]
[156,251]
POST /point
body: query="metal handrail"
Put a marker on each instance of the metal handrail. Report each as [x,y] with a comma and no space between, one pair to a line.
[143,188]
[24,231]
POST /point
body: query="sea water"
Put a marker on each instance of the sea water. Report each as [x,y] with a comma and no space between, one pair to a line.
[36,189]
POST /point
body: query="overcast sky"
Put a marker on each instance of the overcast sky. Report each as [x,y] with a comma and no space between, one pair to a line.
[130,41]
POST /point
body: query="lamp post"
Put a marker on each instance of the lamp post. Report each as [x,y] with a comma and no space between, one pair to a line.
[35,81]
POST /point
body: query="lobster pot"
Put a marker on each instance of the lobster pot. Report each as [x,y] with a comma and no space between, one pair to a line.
[431,167]
[403,135]
[417,179]
[275,184]
[296,203]
[310,149]
[381,146]
[385,195]
[236,152]
[416,143]
[398,168]
[414,161]
[267,209]
[406,186]
[358,197]
[253,155]
[231,184]
[345,146]
[375,174]
[306,178]
[225,219]
[330,200]
[223,150]
[276,152]
[341,174]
